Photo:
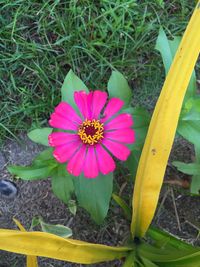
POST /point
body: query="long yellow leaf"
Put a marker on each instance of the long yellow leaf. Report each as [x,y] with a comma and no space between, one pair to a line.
[31,261]
[52,246]
[162,129]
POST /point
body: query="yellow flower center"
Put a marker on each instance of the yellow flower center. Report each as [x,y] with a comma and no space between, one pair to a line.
[91,132]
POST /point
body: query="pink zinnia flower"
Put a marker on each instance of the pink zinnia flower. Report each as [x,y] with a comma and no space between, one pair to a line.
[91,136]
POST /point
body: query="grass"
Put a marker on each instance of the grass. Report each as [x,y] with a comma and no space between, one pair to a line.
[41,40]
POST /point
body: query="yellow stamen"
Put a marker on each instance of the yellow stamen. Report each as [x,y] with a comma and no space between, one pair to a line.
[91,132]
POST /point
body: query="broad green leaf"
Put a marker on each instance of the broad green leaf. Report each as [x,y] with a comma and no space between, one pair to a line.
[192,115]
[62,183]
[126,209]
[132,162]
[118,87]
[162,129]
[31,172]
[141,120]
[71,84]
[190,130]
[168,50]
[94,195]
[57,229]
[51,246]
[188,168]
[191,110]
[40,136]
[44,157]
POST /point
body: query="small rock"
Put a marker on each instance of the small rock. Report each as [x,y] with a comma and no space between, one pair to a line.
[2,161]
[8,189]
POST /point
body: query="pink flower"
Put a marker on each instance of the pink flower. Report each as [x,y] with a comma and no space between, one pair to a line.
[90,137]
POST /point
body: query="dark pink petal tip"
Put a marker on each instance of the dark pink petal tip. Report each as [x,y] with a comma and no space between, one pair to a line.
[106,163]
[119,150]
[113,107]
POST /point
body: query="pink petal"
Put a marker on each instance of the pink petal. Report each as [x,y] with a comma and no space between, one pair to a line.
[118,150]
[58,121]
[66,111]
[64,153]
[120,122]
[84,102]
[98,102]
[57,139]
[114,105]
[75,165]
[106,163]
[126,136]
[90,164]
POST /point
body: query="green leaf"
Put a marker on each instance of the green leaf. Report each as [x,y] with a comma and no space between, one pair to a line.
[40,136]
[148,263]
[94,195]
[192,115]
[195,184]
[167,255]
[57,229]
[118,87]
[62,183]
[31,172]
[34,222]
[130,260]
[191,260]
[190,130]
[164,240]
[188,168]
[126,209]
[72,206]
[71,84]
[168,49]
[192,169]
[44,157]
[163,46]
[141,120]
[191,110]
[132,163]
[161,3]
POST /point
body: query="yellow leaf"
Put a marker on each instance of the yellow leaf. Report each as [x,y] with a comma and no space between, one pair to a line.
[31,261]
[162,129]
[52,246]
[19,225]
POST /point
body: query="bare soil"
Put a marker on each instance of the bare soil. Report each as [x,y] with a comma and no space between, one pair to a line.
[178,212]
